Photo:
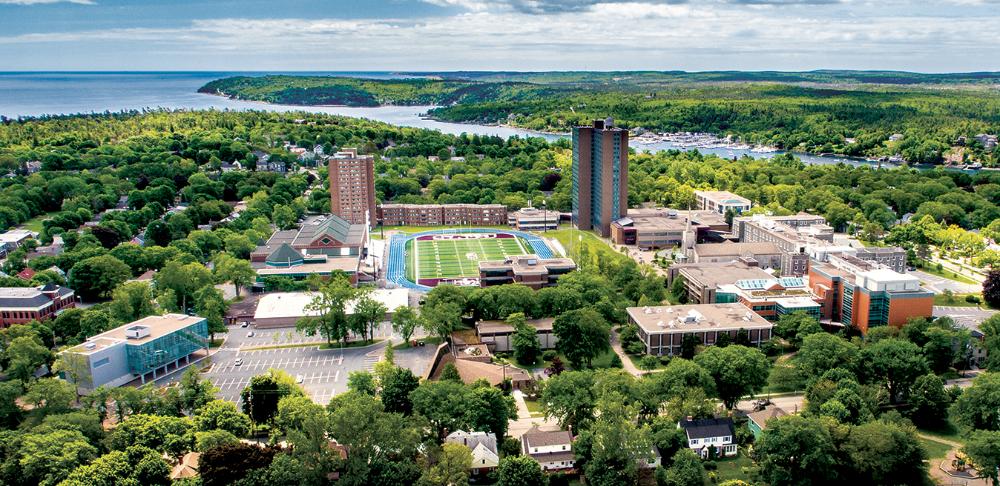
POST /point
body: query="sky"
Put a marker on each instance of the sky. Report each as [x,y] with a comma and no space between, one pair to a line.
[521,35]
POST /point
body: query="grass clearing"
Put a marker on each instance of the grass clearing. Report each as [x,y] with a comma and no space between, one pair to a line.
[933,448]
[931,268]
[739,467]
[35,224]
[534,407]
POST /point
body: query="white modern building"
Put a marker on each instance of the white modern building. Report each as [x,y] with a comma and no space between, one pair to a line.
[721,201]
[283,309]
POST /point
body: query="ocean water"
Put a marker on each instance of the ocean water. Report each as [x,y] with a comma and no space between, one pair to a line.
[62,93]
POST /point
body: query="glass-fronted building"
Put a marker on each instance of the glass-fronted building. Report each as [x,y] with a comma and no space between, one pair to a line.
[144,350]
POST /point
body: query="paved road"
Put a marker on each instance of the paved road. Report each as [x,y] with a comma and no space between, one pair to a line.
[967,317]
[940,284]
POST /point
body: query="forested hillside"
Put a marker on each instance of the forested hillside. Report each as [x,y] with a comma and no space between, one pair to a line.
[818,112]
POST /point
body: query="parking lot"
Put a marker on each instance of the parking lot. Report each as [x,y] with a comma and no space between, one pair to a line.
[322,372]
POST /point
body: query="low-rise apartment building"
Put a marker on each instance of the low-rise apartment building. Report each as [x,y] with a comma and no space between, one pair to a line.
[764,254]
[146,349]
[663,328]
[533,219]
[442,214]
[525,270]
[721,202]
[20,305]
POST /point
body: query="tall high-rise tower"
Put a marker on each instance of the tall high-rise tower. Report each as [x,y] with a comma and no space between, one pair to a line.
[600,176]
[352,187]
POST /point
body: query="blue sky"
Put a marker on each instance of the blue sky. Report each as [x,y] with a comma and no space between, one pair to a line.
[426,35]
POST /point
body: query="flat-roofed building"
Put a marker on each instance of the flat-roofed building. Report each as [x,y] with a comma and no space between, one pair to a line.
[284,309]
[702,280]
[599,193]
[772,297]
[442,214]
[20,305]
[721,202]
[352,187]
[891,257]
[533,219]
[662,328]
[865,294]
[524,269]
[498,335]
[651,231]
[147,349]
[765,254]
[13,239]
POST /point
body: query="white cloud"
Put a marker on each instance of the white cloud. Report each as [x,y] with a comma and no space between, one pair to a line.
[608,35]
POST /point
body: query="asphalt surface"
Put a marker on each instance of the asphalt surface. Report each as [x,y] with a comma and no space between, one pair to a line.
[940,284]
[967,317]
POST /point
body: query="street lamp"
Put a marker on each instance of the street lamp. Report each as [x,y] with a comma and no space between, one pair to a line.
[545,218]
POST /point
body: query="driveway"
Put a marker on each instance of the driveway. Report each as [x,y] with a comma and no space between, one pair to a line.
[940,284]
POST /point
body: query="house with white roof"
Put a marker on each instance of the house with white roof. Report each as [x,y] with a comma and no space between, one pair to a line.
[483,445]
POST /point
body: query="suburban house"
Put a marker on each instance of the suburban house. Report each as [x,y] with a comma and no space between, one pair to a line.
[552,450]
[704,434]
[757,421]
[483,445]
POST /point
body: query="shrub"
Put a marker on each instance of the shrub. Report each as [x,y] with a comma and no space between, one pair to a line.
[973,299]
[710,465]
[549,354]
[648,362]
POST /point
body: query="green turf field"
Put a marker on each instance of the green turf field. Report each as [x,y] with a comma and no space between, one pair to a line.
[458,258]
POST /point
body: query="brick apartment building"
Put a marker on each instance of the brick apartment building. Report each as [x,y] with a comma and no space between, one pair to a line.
[352,187]
[442,214]
[19,305]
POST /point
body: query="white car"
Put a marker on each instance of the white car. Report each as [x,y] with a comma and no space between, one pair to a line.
[250,334]
[239,361]
[298,378]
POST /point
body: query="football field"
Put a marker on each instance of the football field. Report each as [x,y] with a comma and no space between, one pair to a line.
[456,256]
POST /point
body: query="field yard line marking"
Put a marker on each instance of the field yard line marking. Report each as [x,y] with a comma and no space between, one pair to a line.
[519,245]
[416,266]
[461,268]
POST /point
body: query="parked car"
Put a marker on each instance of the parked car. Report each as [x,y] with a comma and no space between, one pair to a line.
[250,334]
[239,361]
[298,378]
[245,324]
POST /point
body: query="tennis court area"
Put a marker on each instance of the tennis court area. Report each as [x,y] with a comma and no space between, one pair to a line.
[453,257]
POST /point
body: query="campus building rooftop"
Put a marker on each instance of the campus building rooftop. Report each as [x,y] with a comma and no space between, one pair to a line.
[140,332]
[696,318]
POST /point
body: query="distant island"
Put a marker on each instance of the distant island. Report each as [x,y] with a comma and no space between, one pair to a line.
[913,117]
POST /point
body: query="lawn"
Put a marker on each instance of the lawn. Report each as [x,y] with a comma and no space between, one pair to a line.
[739,467]
[574,240]
[447,257]
[534,407]
[35,224]
[934,449]
[931,268]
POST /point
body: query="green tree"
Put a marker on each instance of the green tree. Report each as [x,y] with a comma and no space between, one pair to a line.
[685,470]
[896,363]
[229,463]
[569,397]
[132,301]
[50,395]
[884,453]
[527,348]
[991,289]
[173,436]
[25,354]
[929,400]
[329,317]
[48,458]
[520,471]
[193,393]
[211,304]
[617,443]
[368,313]
[822,352]
[97,276]
[443,404]
[262,394]
[362,382]
[183,279]
[135,465]
[222,415]
[490,409]
[382,445]
[794,450]
[582,336]
[978,407]
[983,449]
[737,371]
[284,217]
[405,321]
[450,467]
[440,319]
[235,270]
[796,326]
[397,385]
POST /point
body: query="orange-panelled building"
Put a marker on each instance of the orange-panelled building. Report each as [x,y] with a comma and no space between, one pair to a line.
[869,297]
